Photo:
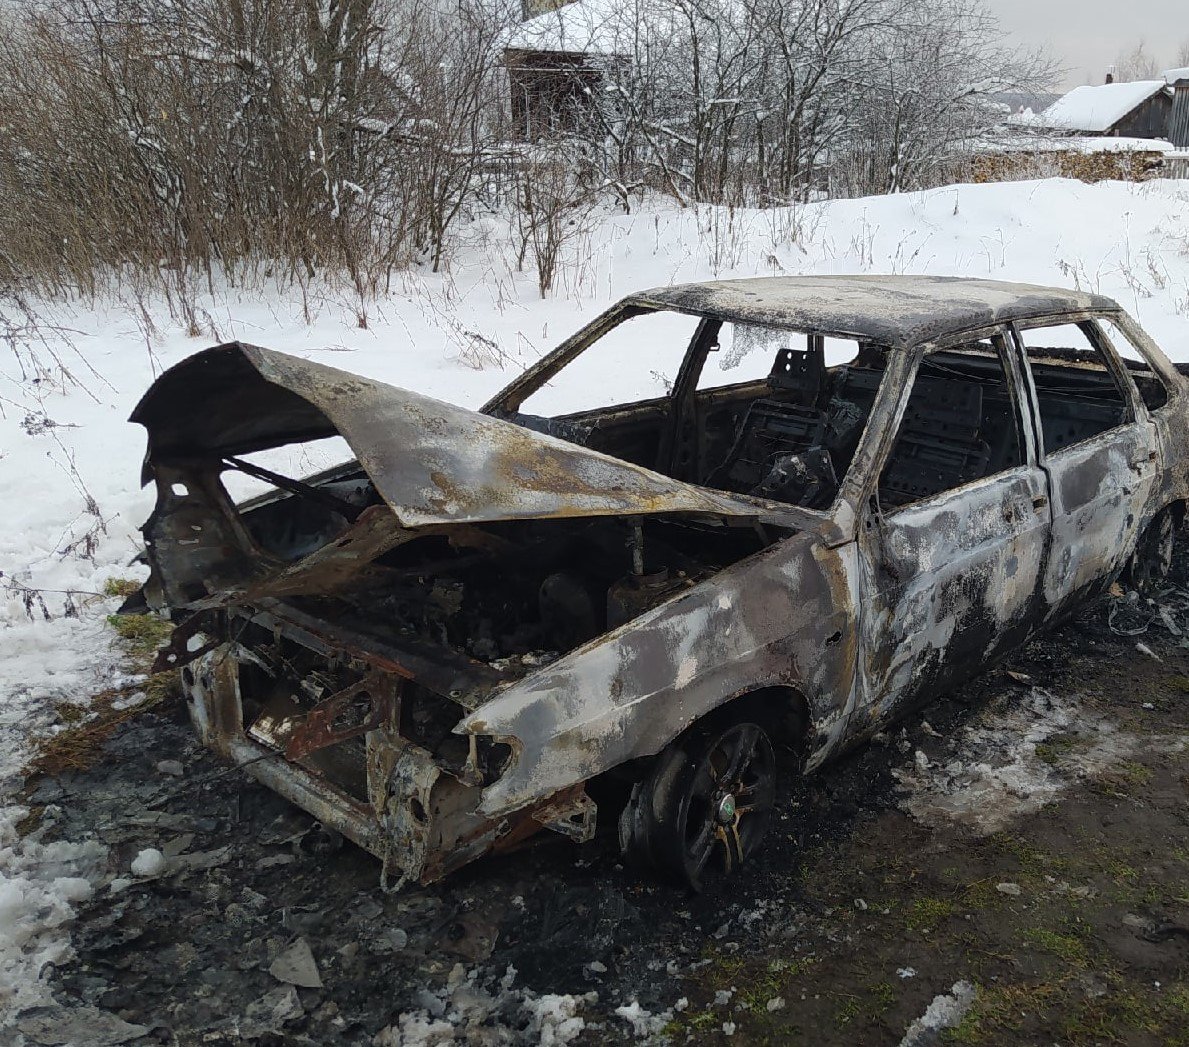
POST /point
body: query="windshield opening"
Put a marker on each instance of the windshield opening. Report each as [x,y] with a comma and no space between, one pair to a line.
[755,410]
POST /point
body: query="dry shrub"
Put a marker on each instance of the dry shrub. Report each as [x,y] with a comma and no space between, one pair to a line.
[252,138]
[554,208]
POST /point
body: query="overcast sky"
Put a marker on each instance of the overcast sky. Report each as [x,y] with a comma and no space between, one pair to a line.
[1087,35]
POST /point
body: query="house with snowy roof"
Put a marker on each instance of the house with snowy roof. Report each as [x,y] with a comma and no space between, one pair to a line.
[1137,109]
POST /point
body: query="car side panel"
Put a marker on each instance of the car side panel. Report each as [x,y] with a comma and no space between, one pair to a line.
[949,584]
[785,617]
[1100,489]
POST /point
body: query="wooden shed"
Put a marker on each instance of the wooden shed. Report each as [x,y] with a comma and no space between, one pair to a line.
[1138,109]
[1178,120]
[556,60]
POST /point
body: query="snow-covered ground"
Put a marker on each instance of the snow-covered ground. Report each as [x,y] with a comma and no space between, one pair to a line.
[69,461]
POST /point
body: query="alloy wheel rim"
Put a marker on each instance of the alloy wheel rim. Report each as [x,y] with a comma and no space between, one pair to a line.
[730,799]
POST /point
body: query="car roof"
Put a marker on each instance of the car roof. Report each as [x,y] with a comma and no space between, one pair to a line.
[895,311]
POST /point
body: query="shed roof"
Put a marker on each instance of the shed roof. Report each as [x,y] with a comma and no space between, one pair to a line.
[588,27]
[896,311]
[1098,109]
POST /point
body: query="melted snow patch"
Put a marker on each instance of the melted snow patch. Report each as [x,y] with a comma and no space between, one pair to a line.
[470,1008]
[996,774]
[64,660]
[945,1012]
[38,884]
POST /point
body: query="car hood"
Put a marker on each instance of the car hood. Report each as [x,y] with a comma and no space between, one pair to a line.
[433,463]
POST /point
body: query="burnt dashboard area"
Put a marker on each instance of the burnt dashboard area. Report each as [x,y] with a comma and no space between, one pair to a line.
[510,594]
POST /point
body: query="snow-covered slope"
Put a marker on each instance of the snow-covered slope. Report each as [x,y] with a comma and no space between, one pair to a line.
[69,462]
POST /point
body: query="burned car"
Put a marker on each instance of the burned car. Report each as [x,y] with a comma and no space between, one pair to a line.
[726,528]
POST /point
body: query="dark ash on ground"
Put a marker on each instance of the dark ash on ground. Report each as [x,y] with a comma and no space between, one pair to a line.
[1071,922]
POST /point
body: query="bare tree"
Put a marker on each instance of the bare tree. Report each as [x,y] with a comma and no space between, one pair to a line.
[928,90]
[770,101]
[174,138]
[1136,63]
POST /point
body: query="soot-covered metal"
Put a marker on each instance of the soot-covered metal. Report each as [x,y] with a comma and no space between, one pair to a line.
[492,623]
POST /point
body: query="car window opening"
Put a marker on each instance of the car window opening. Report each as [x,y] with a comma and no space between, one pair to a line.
[1076,402]
[772,413]
[960,425]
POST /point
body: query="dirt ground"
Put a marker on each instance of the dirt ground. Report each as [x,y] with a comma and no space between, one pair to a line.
[1011,868]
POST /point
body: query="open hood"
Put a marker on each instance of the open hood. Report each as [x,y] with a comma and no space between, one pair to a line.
[432,463]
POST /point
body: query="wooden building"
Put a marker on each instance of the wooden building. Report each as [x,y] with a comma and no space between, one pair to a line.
[555,62]
[1178,119]
[1138,109]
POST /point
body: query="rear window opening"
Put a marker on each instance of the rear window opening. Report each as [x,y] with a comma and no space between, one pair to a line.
[1076,402]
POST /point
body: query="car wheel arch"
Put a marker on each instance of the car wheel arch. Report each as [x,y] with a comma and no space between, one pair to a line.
[781,709]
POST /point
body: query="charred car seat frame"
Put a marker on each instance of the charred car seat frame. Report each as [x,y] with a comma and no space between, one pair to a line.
[438,646]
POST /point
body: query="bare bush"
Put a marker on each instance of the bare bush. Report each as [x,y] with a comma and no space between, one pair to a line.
[170,141]
[554,203]
[251,135]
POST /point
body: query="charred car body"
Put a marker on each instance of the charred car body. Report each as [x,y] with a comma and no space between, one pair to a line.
[844,497]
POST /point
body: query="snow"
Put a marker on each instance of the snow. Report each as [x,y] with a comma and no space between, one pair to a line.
[1173,76]
[69,461]
[596,27]
[643,1023]
[996,772]
[149,862]
[1076,144]
[1097,109]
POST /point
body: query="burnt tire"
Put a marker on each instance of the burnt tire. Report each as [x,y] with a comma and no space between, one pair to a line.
[1151,562]
[704,808]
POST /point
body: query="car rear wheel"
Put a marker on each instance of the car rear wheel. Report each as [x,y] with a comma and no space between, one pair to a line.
[704,809]
[1152,560]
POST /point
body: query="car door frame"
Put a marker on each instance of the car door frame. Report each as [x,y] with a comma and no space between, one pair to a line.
[897,674]
[1087,551]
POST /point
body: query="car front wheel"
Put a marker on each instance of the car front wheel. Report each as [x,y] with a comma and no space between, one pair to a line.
[704,809]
